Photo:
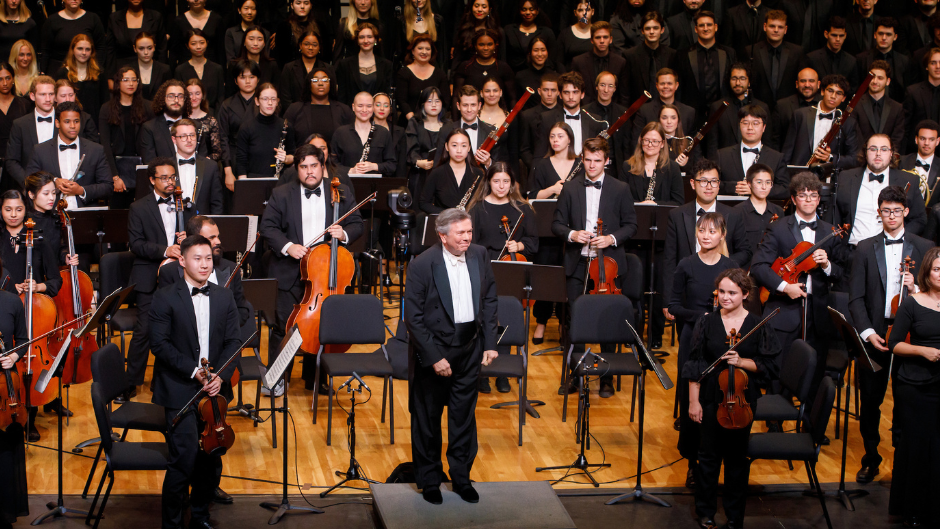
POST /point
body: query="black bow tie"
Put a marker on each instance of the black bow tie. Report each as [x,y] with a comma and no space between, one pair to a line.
[165,200]
[71,146]
[826,116]
[700,212]
[755,150]
[314,191]
[576,116]
[918,163]
[810,225]
[470,126]
[889,242]
[46,119]
[203,290]
[879,177]
[191,161]
[595,185]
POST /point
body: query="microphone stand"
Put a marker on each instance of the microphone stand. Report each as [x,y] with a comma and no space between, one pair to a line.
[354,472]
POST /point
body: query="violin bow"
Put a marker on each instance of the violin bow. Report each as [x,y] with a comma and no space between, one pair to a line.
[508,237]
[41,336]
[242,260]
[341,219]
[711,368]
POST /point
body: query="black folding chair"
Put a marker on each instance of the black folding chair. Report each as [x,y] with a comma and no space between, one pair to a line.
[114,273]
[262,294]
[512,326]
[796,377]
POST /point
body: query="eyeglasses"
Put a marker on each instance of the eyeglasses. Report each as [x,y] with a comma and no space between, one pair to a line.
[190,136]
[320,80]
[876,150]
[707,183]
[268,99]
[165,179]
[751,123]
[652,143]
[129,80]
[808,196]
[834,92]
[175,97]
[896,212]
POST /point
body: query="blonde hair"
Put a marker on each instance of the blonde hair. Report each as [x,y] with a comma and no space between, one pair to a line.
[638,160]
[33,69]
[92,69]
[352,20]
[411,14]
[23,12]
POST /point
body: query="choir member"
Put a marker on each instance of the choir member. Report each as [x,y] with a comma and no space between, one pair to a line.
[238,109]
[774,62]
[879,112]
[582,123]
[681,26]
[235,35]
[65,91]
[153,73]
[421,137]
[530,120]
[18,24]
[360,12]
[451,178]
[646,58]
[11,107]
[538,65]
[811,124]
[667,83]
[575,39]
[727,131]
[125,24]
[704,88]
[484,66]
[736,159]
[807,84]
[421,21]
[197,17]
[211,143]
[364,71]
[201,68]
[601,58]
[295,73]
[290,32]
[32,129]
[60,29]
[832,58]
[757,211]
[82,69]
[253,49]
[421,71]
[121,119]
[650,167]
[628,25]
[198,176]
[170,105]
[899,64]
[477,16]
[920,100]
[318,111]
[519,37]
[25,66]
[257,147]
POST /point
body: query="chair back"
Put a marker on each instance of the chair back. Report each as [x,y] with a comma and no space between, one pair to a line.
[822,409]
[99,403]
[115,268]
[600,319]
[107,369]
[352,319]
[512,320]
[796,373]
[631,279]
[262,294]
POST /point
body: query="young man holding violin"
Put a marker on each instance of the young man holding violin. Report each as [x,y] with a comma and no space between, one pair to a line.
[191,321]
[876,280]
[295,216]
[583,201]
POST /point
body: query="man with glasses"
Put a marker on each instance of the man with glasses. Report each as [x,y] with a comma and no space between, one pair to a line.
[927,133]
[811,124]
[199,177]
[170,105]
[349,141]
[727,131]
[876,279]
[736,160]
[757,212]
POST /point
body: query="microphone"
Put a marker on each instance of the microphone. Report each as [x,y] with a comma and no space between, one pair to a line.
[581,360]
[348,380]
[363,384]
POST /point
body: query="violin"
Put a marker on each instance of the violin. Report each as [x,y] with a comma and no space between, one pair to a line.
[12,396]
[714,300]
[790,268]
[734,412]
[217,435]
[73,300]
[907,265]
[602,270]
[178,206]
[40,319]
[511,256]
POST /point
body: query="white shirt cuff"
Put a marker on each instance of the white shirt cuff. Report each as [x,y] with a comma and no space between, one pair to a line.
[286,246]
[866,333]
[614,239]
[570,233]
[194,372]
[782,286]
[345,237]
[828,269]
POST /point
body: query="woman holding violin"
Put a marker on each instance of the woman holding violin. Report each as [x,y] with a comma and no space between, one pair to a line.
[13,492]
[751,366]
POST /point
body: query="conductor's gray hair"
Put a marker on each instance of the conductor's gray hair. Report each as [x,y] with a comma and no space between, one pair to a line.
[448,217]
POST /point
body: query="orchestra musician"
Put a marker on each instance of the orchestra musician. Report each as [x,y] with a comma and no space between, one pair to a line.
[32,129]
[199,176]
[452,176]
[758,357]
[876,279]
[582,123]
[152,237]
[14,493]
[468,105]
[757,211]
[530,119]
[349,142]
[810,125]
[450,310]
[41,190]
[191,320]
[295,215]
[289,174]
[926,133]
[170,104]
[258,144]
[667,84]
[650,166]
[583,201]
[736,159]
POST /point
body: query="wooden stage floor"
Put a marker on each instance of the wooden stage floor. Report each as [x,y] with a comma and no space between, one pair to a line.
[252,466]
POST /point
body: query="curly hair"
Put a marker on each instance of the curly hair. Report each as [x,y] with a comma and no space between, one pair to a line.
[159,99]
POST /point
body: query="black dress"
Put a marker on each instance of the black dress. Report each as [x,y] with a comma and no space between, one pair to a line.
[91,93]
[212,78]
[45,267]
[531,77]
[441,190]
[121,38]
[14,494]
[419,142]
[475,74]
[257,139]
[51,233]
[543,176]
[159,74]
[233,112]
[346,45]
[568,47]
[346,149]
[214,30]
[18,108]
[293,78]
[350,80]
[408,89]
[57,34]
[11,32]
[307,118]
[668,189]
[916,425]
[488,229]
[516,47]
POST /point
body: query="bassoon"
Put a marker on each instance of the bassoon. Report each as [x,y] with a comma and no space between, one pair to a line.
[840,118]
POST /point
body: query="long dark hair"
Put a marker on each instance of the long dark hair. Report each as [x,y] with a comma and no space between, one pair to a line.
[13,194]
[445,156]
[298,27]
[33,184]
[138,110]
[468,26]
[243,54]
[420,115]
[204,103]
[514,195]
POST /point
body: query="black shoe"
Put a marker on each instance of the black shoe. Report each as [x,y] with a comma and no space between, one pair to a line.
[732,525]
[912,521]
[690,478]
[706,523]
[467,493]
[484,386]
[57,407]
[433,495]
[537,341]
[502,385]
[677,424]
[323,389]
[866,474]
[33,435]
[204,524]
[222,497]
[607,390]
[658,344]
[825,440]
[571,389]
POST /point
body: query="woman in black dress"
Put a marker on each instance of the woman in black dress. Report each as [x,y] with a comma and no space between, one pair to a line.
[25,66]
[421,137]
[235,35]
[476,16]
[420,21]
[449,182]
[519,36]
[917,400]
[294,74]
[319,111]
[152,73]
[538,66]
[16,23]
[82,69]
[14,493]
[381,111]
[575,39]
[418,74]
[238,109]
[198,67]
[256,149]
[211,25]
[211,143]
[360,12]
[253,49]
[289,32]
[496,198]
[11,107]
[484,66]
[676,140]
[756,356]
[124,26]
[60,29]
[119,122]
[651,161]
[365,71]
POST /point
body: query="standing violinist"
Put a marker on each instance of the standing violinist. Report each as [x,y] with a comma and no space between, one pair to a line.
[295,216]
[190,321]
[757,357]
[14,494]
[583,201]
[876,280]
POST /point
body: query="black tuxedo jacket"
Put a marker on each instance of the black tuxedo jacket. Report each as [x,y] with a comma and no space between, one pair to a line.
[174,341]
[916,107]
[147,240]
[591,127]
[732,171]
[529,122]
[172,274]
[97,175]
[743,27]
[891,122]
[680,237]
[615,209]
[907,164]
[799,145]
[782,116]
[842,63]
[850,182]
[497,153]
[282,223]
[685,63]
[779,240]
[867,286]
[727,131]
[429,305]
[900,70]
[650,112]
[584,65]
[24,139]
[681,35]
[792,61]
[208,193]
[153,139]
[638,70]
[854,33]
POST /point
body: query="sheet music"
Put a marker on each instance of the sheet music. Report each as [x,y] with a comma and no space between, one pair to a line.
[284,359]
[252,231]
[46,375]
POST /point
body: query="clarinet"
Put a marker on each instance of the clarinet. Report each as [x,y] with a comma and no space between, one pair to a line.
[574,170]
[278,164]
[466,198]
[652,187]
[368,145]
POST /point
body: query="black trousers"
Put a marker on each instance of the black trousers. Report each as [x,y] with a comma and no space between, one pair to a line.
[550,253]
[138,353]
[689,430]
[872,388]
[719,445]
[188,466]
[14,495]
[430,394]
[914,484]
[817,338]
[284,305]
[575,286]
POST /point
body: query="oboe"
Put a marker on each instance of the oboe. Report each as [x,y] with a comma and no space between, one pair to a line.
[279,164]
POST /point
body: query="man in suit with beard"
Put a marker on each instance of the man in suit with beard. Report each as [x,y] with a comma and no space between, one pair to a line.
[450,310]
[171,103]
[727,131]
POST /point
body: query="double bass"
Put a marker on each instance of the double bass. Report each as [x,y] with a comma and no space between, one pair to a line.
[73,300]
[734,411]
[40,320]
[602,270]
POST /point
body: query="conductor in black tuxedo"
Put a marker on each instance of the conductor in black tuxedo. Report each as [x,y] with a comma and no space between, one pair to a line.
[468,105]
[583,200]
[295,215]
[191,320]
[876,279]
[170,104]
[450,310]
[199,176]
[60,156]
[153,237]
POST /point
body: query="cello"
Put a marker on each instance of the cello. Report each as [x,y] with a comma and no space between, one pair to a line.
[12,396]
[791,267]
[734,412]
[73,300]
[40,320]
[602,270]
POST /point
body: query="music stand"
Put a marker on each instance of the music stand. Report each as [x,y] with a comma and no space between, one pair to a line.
[99,226]
[251,195]
[143,185]
[429,235]
[544,209]
[729,200]
[529,282]
[859,356]
[236,231]
[649,219]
